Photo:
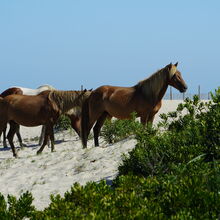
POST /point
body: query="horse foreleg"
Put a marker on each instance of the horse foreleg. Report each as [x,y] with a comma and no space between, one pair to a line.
[42,134]
[147,119]
[52,139]
[76,125]
[144,120]
[97,127]
[13,128]
[151,119]
[46,139]
[48,135]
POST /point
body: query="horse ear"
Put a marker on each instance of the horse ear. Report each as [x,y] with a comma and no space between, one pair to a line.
[176,64]
[169,66]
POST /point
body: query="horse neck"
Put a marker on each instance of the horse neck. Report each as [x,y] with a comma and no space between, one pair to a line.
[66,100]
[154,88]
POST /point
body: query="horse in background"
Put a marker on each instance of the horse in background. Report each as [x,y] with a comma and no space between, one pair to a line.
[74,115]
[24,91]
[144,98]
[42,109]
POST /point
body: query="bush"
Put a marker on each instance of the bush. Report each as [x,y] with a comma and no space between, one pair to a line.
[116,130]
[63,123]
[193,194]
[189,136]
[17,209]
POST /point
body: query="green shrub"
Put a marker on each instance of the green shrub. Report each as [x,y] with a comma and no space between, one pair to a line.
[17,209]
[189,135]
[63,123]
[116,130]
[193,194]
[190,195]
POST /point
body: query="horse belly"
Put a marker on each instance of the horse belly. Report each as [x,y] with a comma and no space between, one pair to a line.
[26,118]
[120,103]
[120,113]
[28,121]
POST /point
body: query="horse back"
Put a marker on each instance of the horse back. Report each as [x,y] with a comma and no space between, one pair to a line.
[10,91]
[113,92]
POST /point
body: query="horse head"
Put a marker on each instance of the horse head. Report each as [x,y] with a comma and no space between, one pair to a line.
[175,78]
[86,92]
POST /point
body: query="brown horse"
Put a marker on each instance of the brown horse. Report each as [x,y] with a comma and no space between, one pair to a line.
[144,98]
[74,115]
[10,91]
[24,91]
[42,109]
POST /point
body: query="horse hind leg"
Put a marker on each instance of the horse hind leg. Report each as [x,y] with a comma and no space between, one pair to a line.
[5,137]
[13,128]
[3,128]
[22,145]
[88,118]
[97,127]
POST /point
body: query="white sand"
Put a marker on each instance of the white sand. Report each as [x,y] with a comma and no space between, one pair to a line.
[53,173]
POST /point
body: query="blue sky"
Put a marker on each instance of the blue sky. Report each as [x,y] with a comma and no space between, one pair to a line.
[71,43]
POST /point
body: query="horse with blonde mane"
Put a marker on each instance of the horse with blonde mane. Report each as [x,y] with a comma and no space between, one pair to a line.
[24,91]
[144,98]
[34,110]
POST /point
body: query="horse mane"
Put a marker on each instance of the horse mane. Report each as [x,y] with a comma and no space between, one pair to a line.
[66,100]
[74,111]
[151,86]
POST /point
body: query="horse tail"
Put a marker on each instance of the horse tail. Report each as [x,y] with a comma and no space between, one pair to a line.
[85,122]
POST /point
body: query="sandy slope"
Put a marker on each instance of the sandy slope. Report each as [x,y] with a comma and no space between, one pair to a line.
[52,173]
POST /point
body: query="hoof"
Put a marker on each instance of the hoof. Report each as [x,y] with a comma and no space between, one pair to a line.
[23,146]
[39,152]
[15,155]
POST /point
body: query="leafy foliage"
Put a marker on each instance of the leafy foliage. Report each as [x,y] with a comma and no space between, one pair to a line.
[190,135]
[63,123]
[17,209]
[116,130]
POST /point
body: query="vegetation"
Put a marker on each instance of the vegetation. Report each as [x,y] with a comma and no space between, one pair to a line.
[116,130]
[172,173]
[63,123]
